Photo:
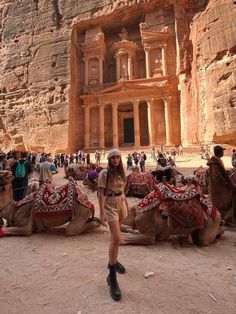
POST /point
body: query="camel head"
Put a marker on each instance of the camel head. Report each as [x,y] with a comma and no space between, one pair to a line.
[5,177]
[5,188]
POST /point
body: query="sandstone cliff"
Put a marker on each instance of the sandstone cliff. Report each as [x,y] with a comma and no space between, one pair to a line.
[35,68]
[208,87]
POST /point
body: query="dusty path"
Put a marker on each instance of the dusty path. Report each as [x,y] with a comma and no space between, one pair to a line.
[49,273]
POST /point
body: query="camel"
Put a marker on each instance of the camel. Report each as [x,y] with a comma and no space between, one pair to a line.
[91,179]
[78,172]
[29,216]
[33,183]
[170,211]
[139,184]
[202,177]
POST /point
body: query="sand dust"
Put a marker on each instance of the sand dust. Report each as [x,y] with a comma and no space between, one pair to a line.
[50,273]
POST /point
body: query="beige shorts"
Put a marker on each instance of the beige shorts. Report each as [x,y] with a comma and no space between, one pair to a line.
[115,208]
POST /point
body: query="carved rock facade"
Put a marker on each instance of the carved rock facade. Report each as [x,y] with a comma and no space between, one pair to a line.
[46,83]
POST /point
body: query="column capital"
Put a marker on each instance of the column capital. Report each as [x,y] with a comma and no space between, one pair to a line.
[166,99]
[150,101]
[136,102]
[101,104]
[147,48]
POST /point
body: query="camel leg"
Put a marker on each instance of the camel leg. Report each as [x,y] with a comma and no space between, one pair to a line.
[78,222]
[19,231]
[209,234]
[143,239]
[91,226]
[128,229]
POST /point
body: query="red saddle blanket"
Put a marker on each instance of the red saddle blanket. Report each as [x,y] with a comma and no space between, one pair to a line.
[202,176]
[182,199]
[139,184]
[50,200]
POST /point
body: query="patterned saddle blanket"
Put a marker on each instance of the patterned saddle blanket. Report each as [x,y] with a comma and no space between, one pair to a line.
[202,177]
[139,184]
[182,199]
[50,200]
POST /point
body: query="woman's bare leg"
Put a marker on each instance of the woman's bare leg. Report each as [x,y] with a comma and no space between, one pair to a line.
[115,237]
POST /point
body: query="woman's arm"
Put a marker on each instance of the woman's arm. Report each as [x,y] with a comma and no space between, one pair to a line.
[101,200]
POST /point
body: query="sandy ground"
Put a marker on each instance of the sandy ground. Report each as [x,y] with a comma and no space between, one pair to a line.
[50,273]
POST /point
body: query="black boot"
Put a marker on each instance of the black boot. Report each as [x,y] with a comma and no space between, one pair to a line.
[119,268]
[112,282]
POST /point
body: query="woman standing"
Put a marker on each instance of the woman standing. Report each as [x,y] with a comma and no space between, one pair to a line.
[113,208]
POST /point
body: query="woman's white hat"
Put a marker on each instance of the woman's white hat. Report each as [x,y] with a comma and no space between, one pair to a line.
[113,152]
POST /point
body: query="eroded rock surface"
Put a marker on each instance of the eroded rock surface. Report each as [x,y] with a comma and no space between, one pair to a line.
[35,68]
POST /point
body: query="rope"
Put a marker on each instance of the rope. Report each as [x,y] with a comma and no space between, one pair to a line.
[23,187]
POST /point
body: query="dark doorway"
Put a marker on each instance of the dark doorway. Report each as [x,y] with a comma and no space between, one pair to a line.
[129,130]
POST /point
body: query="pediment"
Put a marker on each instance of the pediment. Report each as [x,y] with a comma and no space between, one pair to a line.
[124,87]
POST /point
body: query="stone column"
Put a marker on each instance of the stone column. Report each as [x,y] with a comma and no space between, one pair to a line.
[136,124]
[148,66]
[100,70]
[86,126]
[163,55]
[130,67]
[101,127]
[150,120]
[117,68]
[86,71]
[168,122]
[115,124]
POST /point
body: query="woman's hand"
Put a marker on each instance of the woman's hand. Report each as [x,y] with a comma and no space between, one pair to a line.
[102,219]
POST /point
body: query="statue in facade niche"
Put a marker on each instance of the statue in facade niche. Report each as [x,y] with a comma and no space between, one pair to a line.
[157,64]
[93,73]
[123,35]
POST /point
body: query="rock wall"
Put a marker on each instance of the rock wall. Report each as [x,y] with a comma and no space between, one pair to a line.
[35,71]
[208,87]
[35,41]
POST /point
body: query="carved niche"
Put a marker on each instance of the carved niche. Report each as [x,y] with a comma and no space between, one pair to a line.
[156,62]
[93,71]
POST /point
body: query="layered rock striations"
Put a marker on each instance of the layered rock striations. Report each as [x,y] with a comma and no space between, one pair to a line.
[35,107]
[207,81]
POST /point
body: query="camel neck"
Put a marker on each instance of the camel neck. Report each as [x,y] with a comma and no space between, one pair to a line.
[7,211]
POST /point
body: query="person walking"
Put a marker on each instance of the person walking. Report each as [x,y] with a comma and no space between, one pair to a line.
[181,150]
[143,158]
[47,169]
[20,171]
[113,208]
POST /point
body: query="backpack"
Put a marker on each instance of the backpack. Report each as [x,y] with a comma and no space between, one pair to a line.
[144,157]
[20,169]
